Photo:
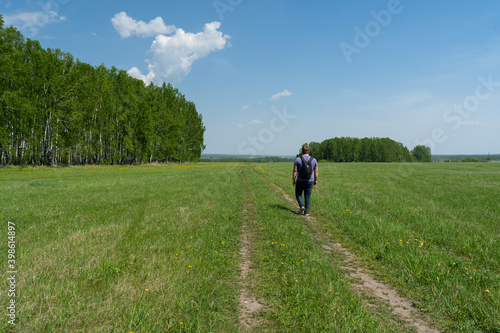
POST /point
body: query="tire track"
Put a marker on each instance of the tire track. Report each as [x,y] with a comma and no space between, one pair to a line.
[364,282]
[248,304]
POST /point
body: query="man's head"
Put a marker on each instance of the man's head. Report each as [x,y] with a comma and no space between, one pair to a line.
[305,149]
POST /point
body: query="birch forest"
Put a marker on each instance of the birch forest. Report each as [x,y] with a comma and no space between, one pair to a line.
[57,110]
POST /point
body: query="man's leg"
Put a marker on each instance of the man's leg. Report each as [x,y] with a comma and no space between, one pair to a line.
[307,194]
[299,188]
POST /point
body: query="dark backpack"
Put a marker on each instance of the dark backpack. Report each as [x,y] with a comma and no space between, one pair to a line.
[306,170]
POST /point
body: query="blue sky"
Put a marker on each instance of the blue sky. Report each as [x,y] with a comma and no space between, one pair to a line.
[269,75]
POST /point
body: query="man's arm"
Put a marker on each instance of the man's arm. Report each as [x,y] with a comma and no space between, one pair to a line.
[315,176]
[294,174]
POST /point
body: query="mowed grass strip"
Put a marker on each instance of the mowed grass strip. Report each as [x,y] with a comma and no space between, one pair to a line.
[124,249]
[432,230]
[304,290]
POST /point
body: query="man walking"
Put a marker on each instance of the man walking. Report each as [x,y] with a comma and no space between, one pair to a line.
[305,177]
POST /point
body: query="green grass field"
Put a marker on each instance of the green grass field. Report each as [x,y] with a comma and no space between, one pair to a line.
[156,248]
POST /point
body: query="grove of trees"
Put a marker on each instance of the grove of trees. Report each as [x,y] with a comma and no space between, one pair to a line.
[348,149]
[57,110]
[266,159]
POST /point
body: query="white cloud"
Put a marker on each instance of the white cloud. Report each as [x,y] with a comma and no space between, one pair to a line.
[127,26]
[174,55]
[284,93]
[33,21]
[135,72]
[472,123]
[245,107]
[239,125]
[255,122]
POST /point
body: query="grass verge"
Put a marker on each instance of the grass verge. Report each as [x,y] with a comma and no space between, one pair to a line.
[431,230]
[128,249]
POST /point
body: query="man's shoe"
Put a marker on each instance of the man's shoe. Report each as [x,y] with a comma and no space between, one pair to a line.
[301,211]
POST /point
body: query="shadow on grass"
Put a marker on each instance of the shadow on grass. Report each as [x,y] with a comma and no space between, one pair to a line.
[282,207]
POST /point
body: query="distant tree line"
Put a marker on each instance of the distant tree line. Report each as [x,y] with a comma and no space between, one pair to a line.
[465,158]
[57,110]
[266,159]
[346,149]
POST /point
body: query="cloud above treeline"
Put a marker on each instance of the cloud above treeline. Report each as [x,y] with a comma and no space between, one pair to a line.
[32,22]
[172,55]
[256,122]
[127,26]
[284,93]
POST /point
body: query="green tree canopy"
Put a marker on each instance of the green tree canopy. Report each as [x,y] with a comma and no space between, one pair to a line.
[57,110]
[422,153]
[347,149]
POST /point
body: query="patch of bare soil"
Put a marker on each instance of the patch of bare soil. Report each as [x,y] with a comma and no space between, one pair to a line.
[248,303]
[364,282]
